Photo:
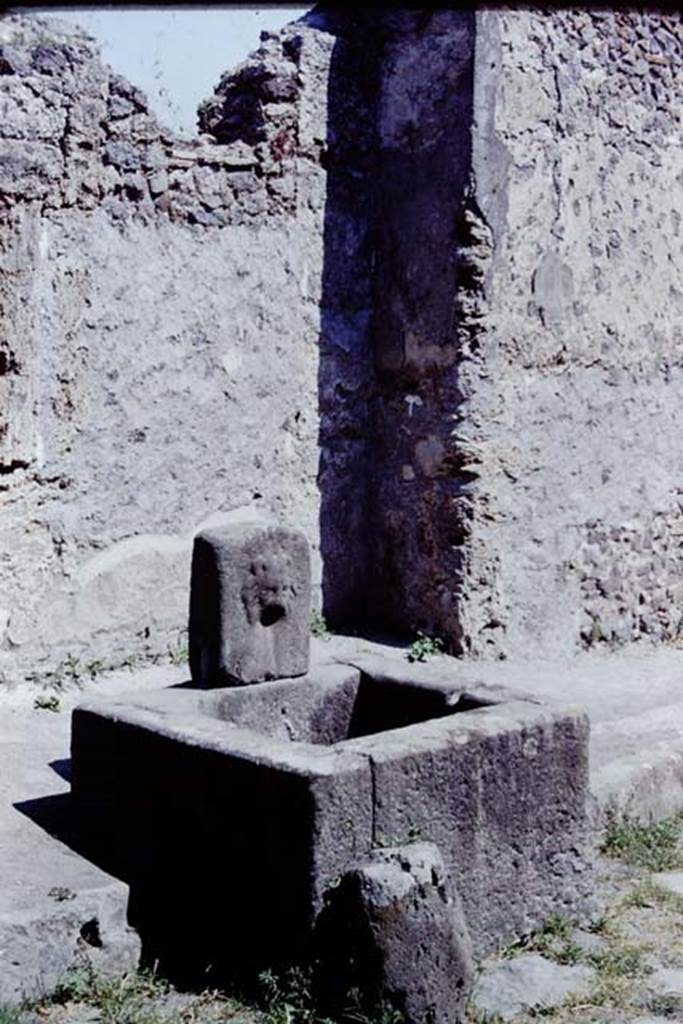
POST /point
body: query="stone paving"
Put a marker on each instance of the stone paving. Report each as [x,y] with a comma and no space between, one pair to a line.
[624,967]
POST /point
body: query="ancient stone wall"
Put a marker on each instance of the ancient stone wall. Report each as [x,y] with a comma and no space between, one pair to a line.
[425,225]
[159,336]
[528,338]
[573,414]
[414,288]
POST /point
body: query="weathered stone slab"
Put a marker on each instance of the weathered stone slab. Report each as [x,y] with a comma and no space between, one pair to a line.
[396,933]
[668,982]
[38,946]
[672,881]
[651,1020]
[250,604]
[502,791]
[529,981]
[241,828]
[259,797]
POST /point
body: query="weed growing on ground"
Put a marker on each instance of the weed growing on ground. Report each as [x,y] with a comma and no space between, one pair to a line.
[47,703]
[73,672]
[552,939]
[142,997]
[383,1014]
[648,894]
[68,672]
[664,1006]
[424,647]
[617,966]
[138,997]
[601,925]
[121,999]
[287,999]
[180,654]
[654,846]
[620,961]
[475,1016]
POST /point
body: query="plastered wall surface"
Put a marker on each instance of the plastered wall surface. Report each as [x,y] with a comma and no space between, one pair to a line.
[160,332]
[574,410]
[415,288]
[528,296]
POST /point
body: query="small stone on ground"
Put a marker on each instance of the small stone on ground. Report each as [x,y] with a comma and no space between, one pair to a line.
[672,881]
[588,942]
[528,981]
[668,981]
[652,1020]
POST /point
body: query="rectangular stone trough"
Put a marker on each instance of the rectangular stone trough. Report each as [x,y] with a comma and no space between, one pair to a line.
[232,811]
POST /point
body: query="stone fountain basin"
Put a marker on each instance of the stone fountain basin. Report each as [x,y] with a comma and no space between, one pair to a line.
[256,799]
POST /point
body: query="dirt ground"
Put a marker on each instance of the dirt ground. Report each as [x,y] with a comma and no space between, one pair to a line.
[633,947]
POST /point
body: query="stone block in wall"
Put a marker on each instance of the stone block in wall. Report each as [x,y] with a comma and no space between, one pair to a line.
[16,420]
[131,596]
[27,115]
[29,170]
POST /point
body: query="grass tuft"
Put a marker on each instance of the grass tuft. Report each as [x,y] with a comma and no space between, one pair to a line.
[142,997]
[624,961]
[665,1005]
[287,999]
[647,894]
[552,939]
[654,846]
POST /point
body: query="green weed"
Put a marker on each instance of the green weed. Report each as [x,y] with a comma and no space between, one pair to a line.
[552,939]
[180,654]
[132,998]
[9,1015]
[144,998]
[621,961]
[424,647]
[648,894]
[476,1016]
[664,1005]
[73,672]
[47,703]
[287,999]
[319,627]
[654,846]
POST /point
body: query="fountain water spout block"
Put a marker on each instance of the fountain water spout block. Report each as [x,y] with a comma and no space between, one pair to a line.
[250,601]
